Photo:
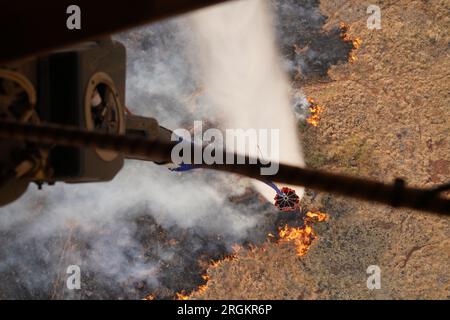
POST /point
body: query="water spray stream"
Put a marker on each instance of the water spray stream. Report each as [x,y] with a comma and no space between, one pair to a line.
[242,74]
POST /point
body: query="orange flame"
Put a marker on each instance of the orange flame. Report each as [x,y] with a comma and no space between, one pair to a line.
[214,264]
[302,237]
[182,296]
[316,216]
[355,42]
[200,290]
[316,112]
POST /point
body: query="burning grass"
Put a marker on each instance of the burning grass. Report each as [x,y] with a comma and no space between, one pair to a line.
[354,42]
[301,237]
[316,111]
[214,264]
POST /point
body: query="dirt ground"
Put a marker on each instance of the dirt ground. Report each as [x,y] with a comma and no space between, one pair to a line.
[386,115]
